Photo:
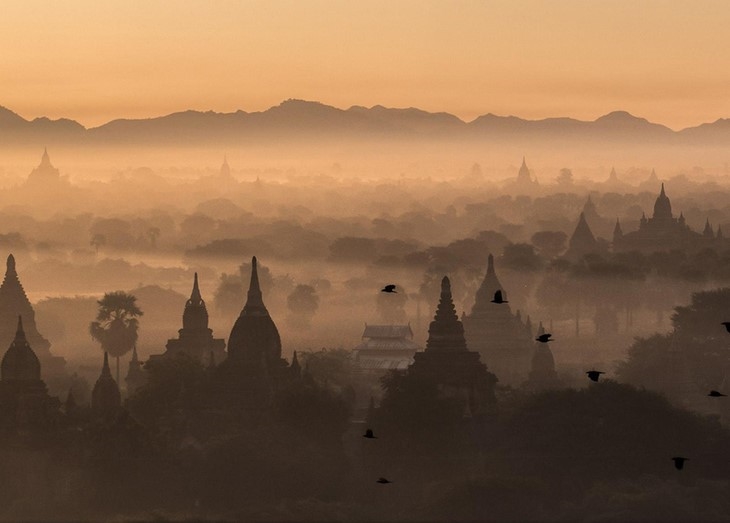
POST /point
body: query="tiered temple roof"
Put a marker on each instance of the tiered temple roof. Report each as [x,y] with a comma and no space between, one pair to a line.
[385,347]
[504,342]
[448,362]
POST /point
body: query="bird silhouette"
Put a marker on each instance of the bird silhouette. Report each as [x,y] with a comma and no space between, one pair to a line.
[726,324]
[593,375]
[544,338]
[389,288]
[716,394]
[498,298]
[383,481]
[369,434]
[679,462]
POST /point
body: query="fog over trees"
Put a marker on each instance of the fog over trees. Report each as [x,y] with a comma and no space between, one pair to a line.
[212,343]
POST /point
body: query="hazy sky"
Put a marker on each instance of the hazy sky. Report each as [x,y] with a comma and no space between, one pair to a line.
[98,60]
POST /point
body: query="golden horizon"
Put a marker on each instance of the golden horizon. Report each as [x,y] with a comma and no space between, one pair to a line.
[659,60]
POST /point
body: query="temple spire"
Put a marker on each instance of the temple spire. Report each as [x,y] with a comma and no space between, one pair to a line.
[195,297]
[11,264]
[105,370]
[254,299]
[20,333]
[295,367]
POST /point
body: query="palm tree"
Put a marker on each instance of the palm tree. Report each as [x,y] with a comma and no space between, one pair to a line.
[116,324]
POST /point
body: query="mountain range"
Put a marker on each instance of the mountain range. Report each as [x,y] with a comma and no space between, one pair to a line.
[305,120]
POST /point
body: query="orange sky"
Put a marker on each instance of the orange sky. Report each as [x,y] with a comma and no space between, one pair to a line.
[94,61]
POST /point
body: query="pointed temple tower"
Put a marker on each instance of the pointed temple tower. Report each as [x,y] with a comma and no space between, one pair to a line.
[24,400]
[45,173]
[542,371]
[582,241]
[105,398]
[254,334]
[254,365]
[618,234]
[499,336]
[136,376]
[448,362]
[195,338]
[14,303]
[523,176]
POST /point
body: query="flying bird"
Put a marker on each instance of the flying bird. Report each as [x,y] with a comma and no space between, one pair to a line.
[498,298]
[716,394]
[544,338]
[726,324]
[679,462]
[383,481]
[389,288]
[593,375]
[369,434]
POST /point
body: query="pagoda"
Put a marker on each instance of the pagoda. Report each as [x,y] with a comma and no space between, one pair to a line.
[14,303]
[45,173]
[542,371]
[500,337]
[662,232]
[254,366]
[136,376]
[24,400]
[195,338]
[105,398]
[448,362]
[254,337]
[582,241]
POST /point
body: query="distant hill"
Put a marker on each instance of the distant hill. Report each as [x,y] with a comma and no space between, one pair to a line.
[303,120]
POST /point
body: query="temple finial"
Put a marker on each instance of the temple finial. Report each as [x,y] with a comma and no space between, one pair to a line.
[195,295]
[20,333]
[105,370]
[254,300]
[11,263]
[490,264]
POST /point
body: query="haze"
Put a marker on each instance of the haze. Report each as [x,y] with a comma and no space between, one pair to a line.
[295,261]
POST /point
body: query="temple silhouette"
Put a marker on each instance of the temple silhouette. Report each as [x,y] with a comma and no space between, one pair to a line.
[542,367]
[448,362]
[45,174]
[195,338]
[384,347]
[501,338]
[14,303]
[253,369]
[105,398]
[24,400]
[582,241]
[664,232]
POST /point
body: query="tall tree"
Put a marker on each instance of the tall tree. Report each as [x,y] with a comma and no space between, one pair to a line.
[116,324]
